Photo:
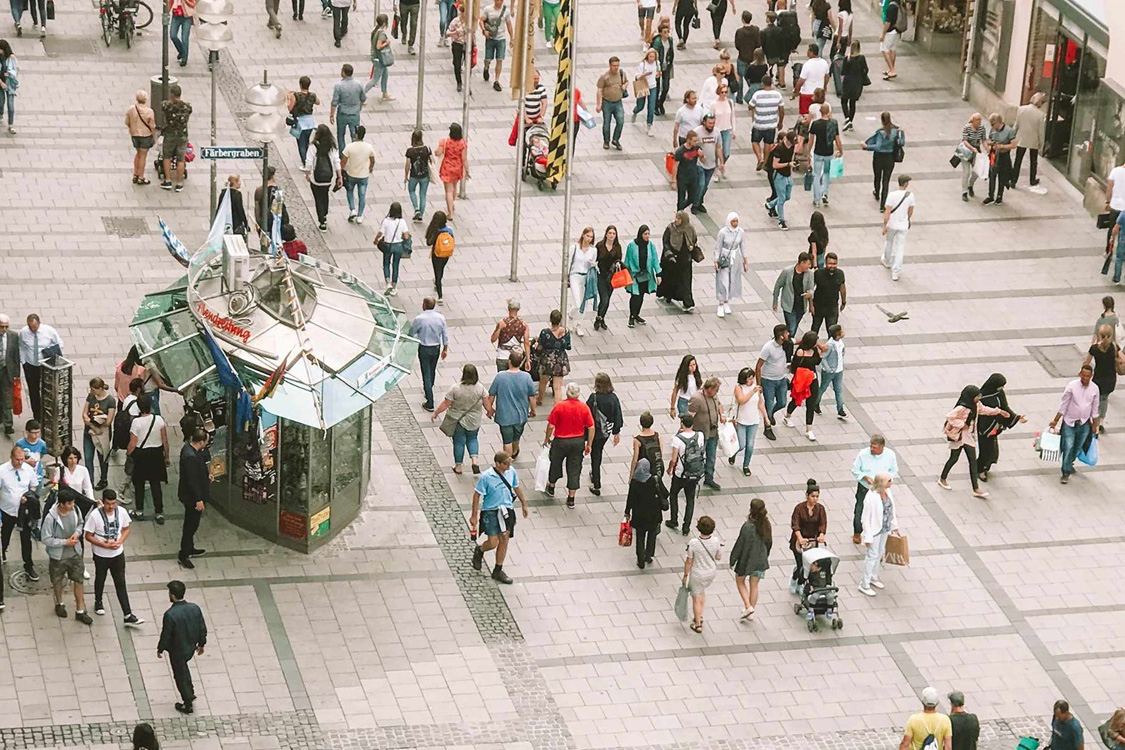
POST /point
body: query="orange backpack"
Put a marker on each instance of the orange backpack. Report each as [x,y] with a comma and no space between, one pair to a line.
[443,245]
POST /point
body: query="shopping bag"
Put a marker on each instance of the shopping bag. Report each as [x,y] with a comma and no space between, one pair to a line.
[836,171]
[808,178]
[1049,446]
[898,551]
[625,534]
[515,131]
[682,603]
[587,119]
[542,469]
[1028,743]
[17,397]
[669,163]
[621,279]
[728,439]
[1088,454]
[980,168]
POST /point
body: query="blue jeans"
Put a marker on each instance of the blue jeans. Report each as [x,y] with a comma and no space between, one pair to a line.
[1119,255]
[705,176]
[647,103]
[379,77]
[822,173]
[421,186]
[793,317]
[17,9]
[345,122]
[180,31]
[774,391]
[1073,438]
[821,42]
[303,144]
[836,380]
[741,68]
[612,111]
[463,438]
[356,185]
[725,137]
[10,99]
[390,266]
[746,434]
[710,446]
[783,186]
[445,15]
[428,357]
[88,451]
[681,406]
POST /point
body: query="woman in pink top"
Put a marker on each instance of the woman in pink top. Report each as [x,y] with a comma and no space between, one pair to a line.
[961,432]
[454,154]
[126,370]
[723,109]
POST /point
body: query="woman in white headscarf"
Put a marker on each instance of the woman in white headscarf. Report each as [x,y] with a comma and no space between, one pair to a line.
[583,283]
[730,263]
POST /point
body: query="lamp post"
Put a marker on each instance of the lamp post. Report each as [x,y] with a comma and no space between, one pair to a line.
[264,126]
[214,34]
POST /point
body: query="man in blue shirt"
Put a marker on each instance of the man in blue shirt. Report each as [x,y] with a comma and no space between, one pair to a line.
[494,509]
[511,402]
[38,343]
[348,97]
[877,458]
[1066,732]
[433,344]
[34,447]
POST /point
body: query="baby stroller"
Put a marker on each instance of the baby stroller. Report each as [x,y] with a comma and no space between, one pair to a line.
[537,144]
[818,597]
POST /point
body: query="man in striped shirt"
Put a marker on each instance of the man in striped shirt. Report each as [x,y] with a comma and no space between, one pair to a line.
[534,103]
[767,107]
[972,141]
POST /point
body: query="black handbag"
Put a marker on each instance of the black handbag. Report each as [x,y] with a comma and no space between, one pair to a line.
[50,10]
[1106,220]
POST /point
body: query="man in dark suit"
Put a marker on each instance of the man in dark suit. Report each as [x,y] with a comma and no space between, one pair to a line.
[9,370]
[183,634]
[195,492]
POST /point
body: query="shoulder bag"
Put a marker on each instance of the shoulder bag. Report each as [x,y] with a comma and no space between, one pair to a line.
[449,424]
[130,462]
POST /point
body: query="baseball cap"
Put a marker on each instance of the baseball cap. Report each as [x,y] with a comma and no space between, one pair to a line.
[930,696]
[956,698]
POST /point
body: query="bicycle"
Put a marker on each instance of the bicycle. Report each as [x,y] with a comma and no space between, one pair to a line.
[123,17]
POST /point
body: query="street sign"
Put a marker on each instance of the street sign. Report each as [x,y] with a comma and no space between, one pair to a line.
[231,152]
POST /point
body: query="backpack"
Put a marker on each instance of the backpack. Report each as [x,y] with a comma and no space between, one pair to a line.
[420,164]
[322,170]
[443,245]
[693,458]
[930,743]
[651,450]
[602,426]
[900,18]
[790,24]
[122,421]
[898,148]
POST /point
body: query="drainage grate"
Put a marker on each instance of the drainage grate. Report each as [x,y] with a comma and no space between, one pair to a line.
[69,46]
[125,227]
[1059,360]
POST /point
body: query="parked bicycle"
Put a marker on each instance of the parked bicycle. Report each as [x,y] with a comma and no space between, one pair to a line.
[123,18]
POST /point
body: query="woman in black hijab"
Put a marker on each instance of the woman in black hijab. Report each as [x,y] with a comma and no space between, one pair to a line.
[989,426]
[961,431]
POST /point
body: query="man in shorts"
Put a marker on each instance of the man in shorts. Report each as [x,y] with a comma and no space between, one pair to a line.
[775,46]
[496,25]
[646,11]
[767,107]
[61,534]
[176,114]
[494,510]
[888,40]
[511,402]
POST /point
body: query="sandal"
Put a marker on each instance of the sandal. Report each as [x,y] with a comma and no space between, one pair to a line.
[142,181]
[745,472]
[457,470]
[981,494]
[697,628]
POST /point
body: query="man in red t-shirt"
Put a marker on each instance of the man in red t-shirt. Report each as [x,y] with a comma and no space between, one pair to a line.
[572,426]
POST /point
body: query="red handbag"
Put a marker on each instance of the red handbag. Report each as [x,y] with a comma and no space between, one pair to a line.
[621,279]
[473,57]
[669,162]
[17,397]
[625,534]
[515,131]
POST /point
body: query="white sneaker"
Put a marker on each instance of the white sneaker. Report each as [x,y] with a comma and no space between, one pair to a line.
[866,591]
[894,277]
[351,215]
[787,421]
[86,574]
[578,329]
[359,219]
[883,260]
[720,311]
[649,133]
[811,435]
[877,585]
[727,310]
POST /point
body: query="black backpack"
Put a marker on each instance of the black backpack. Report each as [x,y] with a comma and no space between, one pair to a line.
[322,170]
[122,421]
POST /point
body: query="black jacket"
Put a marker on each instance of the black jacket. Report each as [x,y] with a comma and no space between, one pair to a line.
[610,407]
[195,483]
[643,505]
[182,631]
[238,222]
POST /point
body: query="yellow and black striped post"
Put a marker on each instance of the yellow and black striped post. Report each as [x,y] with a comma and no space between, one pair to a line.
[563,108]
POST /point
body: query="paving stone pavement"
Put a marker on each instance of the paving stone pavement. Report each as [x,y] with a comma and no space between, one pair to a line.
[387,638]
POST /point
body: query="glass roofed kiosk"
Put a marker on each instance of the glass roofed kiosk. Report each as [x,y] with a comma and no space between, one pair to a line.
[280,361]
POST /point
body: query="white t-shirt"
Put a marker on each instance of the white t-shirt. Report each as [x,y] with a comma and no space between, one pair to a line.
[846,17]
[691,388]
[900,218]
[118,522]
[1117,200]
[393,230]
[78,480]
[689,118]
[140,428]
[709,94]
[748,413]
[358,154]
[648,3]
[812,73]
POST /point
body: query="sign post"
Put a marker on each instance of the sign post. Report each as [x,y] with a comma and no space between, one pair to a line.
[232,152]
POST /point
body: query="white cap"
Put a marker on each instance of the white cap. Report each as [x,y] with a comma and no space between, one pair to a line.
[930,697]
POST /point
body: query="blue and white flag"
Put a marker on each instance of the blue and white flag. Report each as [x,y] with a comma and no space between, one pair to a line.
[222,223]
[175,248]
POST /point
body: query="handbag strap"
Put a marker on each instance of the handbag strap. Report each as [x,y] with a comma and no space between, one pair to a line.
[896,208]
[142,118]
[141,445]
[506,484]
[467,410]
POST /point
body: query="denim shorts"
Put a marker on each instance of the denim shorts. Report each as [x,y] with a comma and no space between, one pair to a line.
[491,524]
[495,49]
[763,135]
[511,433]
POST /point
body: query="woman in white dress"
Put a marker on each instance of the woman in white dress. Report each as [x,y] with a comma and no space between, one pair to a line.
[730,263]
[583,280]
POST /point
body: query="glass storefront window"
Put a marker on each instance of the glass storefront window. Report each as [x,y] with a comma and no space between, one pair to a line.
[347,453]
[321,468]
[294,462]
[1109,131]
[1085,110]
[994,38]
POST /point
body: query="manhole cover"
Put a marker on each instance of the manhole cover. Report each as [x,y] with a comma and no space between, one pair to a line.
[62,46]
[19,581]
[125,226]
[1059,360]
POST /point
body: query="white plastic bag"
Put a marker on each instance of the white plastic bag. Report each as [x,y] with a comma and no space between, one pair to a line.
[542,469]
[728,439]
[980,166]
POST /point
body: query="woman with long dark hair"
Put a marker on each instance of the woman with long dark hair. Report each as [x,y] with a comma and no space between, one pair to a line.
[127,369]
[718,10]
[750,555]
[818,238]
[608,421]
[609,262]
[454,154]
[300,104]
[990,426]
[441,248]
[881,144]
[805,388]
[390,241]
[322,168]
[144,737]
[809,524]
[643,263]
[749,414]
[688,380]
[961,431]
[149,449]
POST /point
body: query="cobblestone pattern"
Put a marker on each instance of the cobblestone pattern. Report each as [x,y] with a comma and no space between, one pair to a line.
[431,735]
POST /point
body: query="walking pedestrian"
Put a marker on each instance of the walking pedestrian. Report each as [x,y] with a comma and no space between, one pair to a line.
[646,11]
[433,344]
[686,174]
[348,98]
[322,170]
[183,15]
[391,240]
[494,510]
[889,37]
[149,449]
[357,162]
[340,9]
[823,24]
[1031,126]
[960,431]
[643,264]
[707,414]
[767,109]
[679,242]
[642,510]
[793,287]
[814,75]
[97,417]
[408,23]
[61,534]
[454,154]
[177,112]
[928,729]
[805,367]
[463,406]
[718,11]
[9,370]
[549,20]
[1117,247]
[265,221]
[747,41]
[689,117]
[685,12]
[855,76]
[730,263]
[965,726]
[106,529]
[273,7]
[749,414]
[725,122]
[608,421]
[1001,142]
[17,479]
[871,461]
[782,160]
[990,426]
[194,492]
[700,566]
[552,345]
[570,435]
[439,238]
[1114,202]
[879,521]
[1115,730]
[382,58]
[771,372]
[496,25]
[612,88]
[832,371]
[686,467]
[1066,730]
[583,277]
[511,402]
[709,90]
[686,384]
[1108,317]
[881,144]
[830,293]
[140,121]
[750,556]
[710,159]
[971,148]
[844,21]
[776,47]
[824,136]
[34,447]
[1104,355]
[511,335]
[183,634]
[645,84]
[416,173]
[897,216]
[809,525]
[666,58]
[238,222]
[457,36]
[610,261]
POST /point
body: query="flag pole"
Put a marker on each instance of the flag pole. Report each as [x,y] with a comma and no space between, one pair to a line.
[568,155]
[525,28]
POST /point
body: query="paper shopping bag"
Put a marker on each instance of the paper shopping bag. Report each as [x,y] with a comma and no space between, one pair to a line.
[625,534]
[898,551]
